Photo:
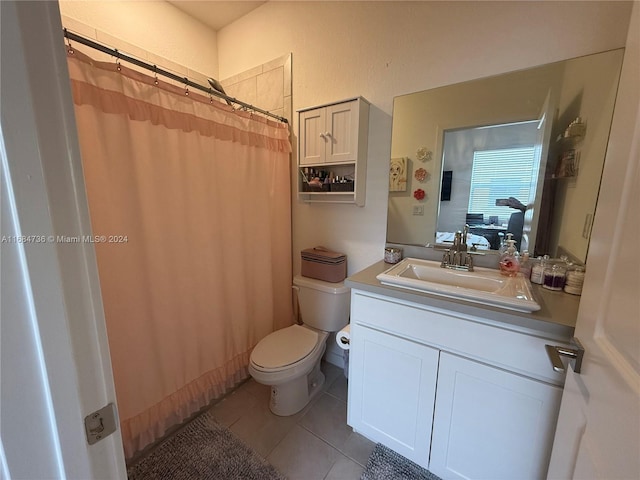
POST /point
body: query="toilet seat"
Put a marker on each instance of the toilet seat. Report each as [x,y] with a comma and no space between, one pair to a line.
[284,347]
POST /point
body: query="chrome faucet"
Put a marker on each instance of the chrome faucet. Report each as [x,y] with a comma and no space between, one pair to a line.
[458,257]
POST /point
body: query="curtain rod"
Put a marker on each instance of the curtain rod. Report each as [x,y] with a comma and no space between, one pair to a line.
[121,56]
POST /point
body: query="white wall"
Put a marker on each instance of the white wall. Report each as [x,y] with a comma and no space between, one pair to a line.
[154,31]
[383,49]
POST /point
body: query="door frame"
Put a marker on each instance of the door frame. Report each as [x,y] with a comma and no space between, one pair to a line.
[597,424]
[60,305]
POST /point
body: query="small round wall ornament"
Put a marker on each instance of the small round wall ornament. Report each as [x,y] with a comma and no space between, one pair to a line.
[424,154]
[419,194]
[421,174]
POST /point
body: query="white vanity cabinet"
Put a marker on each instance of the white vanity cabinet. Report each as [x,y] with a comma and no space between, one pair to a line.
[333,139]
[462,396]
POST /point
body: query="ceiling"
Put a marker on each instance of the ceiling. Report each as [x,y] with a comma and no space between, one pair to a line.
[216,14]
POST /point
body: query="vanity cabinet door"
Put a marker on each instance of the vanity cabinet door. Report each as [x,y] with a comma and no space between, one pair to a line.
[392,390]
[490,423]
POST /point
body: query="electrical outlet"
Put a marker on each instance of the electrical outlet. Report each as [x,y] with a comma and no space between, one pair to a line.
[418,209]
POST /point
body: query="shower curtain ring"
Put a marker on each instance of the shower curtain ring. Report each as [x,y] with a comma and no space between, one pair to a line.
[70,49]
[186,86]
[118,66]
[155,75]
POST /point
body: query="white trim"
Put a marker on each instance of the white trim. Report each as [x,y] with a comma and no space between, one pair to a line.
[61,287]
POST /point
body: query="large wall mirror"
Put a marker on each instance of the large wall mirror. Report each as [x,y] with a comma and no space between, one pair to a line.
[518,153]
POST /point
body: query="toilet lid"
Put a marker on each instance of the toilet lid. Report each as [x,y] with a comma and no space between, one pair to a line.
[284,347]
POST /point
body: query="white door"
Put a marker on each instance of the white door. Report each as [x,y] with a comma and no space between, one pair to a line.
[55,367]
[598,432]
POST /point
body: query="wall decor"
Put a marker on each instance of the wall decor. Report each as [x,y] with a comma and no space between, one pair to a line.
[419,194]
[398,175]
[567,164]
[421,175]
[424,154]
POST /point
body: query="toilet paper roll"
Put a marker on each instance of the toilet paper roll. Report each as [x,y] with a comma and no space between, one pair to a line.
[343,337]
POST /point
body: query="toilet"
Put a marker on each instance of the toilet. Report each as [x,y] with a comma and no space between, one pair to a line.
[288,360]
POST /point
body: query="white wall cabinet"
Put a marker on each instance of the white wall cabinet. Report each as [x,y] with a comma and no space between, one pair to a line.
[458,395]
[332,142]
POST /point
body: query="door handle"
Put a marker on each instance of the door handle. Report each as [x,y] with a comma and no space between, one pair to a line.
[576,353]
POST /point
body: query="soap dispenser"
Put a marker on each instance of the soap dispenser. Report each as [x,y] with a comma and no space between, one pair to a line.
[509,263]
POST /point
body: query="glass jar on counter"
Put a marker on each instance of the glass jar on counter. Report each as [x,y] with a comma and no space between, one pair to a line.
[574,281]
[554,277]
[537,269]
[526,264]
[392,254]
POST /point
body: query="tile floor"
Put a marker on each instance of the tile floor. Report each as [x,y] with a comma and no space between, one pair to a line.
[316,443]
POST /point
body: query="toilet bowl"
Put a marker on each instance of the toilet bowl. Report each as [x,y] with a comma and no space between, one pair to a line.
[288,359]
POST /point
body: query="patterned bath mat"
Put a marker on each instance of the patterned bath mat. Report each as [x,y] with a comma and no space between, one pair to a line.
[203,450]
[385,464]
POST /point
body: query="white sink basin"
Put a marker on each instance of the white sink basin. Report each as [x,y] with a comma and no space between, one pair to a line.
[483,285]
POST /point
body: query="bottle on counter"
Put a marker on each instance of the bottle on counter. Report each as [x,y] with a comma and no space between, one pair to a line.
[509,262]
[525,265]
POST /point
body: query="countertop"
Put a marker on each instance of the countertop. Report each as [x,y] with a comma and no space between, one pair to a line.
[557,315]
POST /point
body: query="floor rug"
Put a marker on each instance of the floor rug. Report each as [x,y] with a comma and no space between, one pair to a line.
[385,464]
[203,450]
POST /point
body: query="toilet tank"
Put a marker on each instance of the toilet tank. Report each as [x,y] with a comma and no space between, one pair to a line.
[323,305]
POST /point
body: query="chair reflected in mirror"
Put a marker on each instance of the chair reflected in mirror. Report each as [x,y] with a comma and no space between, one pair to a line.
[516,220]
[478,227]
[515,225]
[474,219]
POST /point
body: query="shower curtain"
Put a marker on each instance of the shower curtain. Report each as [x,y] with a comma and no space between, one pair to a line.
[190,209]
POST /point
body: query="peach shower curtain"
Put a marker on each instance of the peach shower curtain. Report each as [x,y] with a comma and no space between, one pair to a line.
[193,201]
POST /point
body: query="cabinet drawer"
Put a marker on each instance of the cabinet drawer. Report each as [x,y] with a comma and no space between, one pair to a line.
[515,351]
